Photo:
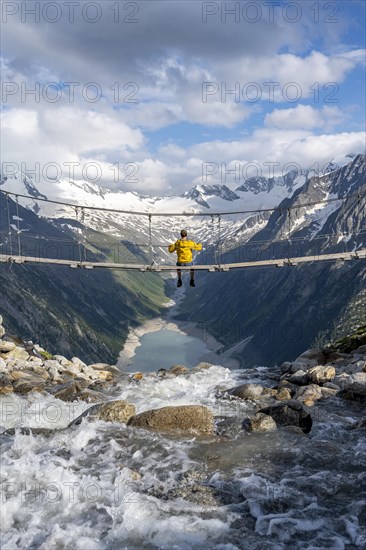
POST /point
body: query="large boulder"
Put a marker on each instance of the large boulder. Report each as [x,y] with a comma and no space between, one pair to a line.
[309,394]
[354,382]
[312,355]
[353,386]
[321,374]
[247,391]
[290,413]
[185,418]
[17,353]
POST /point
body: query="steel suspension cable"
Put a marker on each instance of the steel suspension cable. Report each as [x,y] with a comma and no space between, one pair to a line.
[185,214]
[9,227]
[18,225]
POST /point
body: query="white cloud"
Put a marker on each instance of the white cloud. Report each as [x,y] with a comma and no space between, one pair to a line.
[22,124]
[305,117]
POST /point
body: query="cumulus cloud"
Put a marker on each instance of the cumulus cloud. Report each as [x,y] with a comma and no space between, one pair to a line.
[306,117]
[150,75]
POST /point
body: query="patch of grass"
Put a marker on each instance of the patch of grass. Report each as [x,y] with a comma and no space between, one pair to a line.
[350,342]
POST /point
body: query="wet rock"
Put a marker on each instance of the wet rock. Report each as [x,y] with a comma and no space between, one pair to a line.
[285,367]
[104,375]
[321,374]
[299,378]
[290,413]
[91,396]
[309,394]
[260,422]
[24,386]
[185,418]
[203,365]
[116,411]
[355,383]
[29,431]
[178,369]
[113,411]
[360,425]
[247,391]
[286,384]
[270,392]
[228,426]
[331,386]
[6,346]
[6,384]
[162,373]
[328,392]
[199,494]
[67,391]
[283,394]
[337,357]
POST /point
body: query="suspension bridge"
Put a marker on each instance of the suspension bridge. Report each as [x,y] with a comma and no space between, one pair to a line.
[11,251]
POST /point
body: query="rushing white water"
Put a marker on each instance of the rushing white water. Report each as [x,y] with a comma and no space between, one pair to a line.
[106,486]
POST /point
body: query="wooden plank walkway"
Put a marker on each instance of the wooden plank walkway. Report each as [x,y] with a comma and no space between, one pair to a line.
[339,256]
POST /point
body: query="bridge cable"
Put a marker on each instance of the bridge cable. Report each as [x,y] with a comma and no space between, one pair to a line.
[189,214]
[150,241]
[9,226]
[18,225]
[79,242]
[219,240]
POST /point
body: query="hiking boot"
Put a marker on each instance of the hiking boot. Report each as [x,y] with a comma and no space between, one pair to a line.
[192,282]
[179,283]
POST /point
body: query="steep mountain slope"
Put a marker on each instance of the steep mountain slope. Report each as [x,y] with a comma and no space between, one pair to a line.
[279,312]
[71,311]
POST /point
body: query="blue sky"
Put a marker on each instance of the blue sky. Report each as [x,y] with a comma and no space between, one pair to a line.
[159,57]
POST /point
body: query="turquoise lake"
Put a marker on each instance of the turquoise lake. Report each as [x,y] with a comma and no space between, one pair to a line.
[165,348]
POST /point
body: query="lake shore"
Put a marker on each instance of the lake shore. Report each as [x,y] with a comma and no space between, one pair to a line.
[187,328]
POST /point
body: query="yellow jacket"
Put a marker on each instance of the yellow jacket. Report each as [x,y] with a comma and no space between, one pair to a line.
[184,249]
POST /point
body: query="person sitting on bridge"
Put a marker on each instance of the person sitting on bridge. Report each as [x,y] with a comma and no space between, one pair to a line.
[183,247]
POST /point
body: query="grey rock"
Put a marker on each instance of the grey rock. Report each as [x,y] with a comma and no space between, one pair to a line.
[321,374]
[313,355]
[176,370]
[299,378]
[309,394]
[290,413]
[259,423]
[6,346]
[112,411]
[183,418]
[247,391]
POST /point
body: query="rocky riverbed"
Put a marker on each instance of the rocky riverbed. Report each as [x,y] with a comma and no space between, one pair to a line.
[183,458]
